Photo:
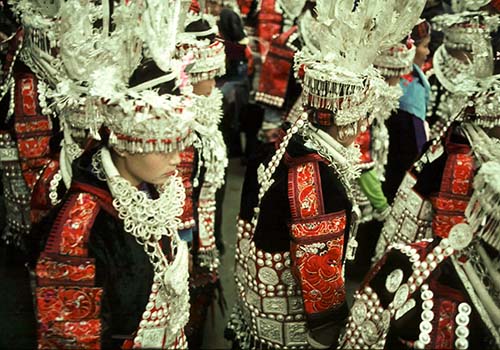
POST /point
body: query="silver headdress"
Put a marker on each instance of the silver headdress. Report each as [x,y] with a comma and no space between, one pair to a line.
[208,58]
[468,32]
[338,75]
[468,5]
[396,61]
[140,119]
[487,103]
[463,30]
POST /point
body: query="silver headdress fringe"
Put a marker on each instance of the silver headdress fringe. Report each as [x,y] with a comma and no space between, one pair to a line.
[483,211]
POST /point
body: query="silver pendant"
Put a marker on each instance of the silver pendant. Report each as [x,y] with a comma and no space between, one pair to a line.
[401,296]
[460,236]
[358,312]
[410,304]
[394,280]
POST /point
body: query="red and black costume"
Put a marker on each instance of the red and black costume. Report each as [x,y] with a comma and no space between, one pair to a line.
[93,278]
[432,198]
[289,268]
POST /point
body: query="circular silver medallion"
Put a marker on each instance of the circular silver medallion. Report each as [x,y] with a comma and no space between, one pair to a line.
[386,321]
[244,246]
[268,276]
[369,332]
[460,236]
[358,312]
[401,296]
[394,280]
[287,278]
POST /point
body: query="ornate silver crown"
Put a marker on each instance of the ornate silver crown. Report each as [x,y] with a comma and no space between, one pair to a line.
[139,118]
[339,75]
[208,60]
[487,103]
[463,30]
[396,61]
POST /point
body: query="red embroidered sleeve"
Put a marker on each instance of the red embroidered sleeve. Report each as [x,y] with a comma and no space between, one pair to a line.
[454,195]
[317,242]
[67,302]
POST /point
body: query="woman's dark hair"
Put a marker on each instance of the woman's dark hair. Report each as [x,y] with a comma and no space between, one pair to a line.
[421,31]
[149,70]
[200,25]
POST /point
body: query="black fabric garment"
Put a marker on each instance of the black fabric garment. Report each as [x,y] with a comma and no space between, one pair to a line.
[231,25]
[123,269]
[403,151]
[272,233]
[432,115]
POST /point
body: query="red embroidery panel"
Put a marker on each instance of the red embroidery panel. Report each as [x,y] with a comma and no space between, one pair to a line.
[28,103]
[33,130]
[458,174]
[319,267]
[456,187]
[317,227]
[77,226]
[68,305]
[306,197]
[449,204]
[318,241]
[49,270]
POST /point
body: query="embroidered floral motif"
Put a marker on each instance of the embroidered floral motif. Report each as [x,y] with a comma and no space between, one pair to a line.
[307,195]
[321,275]
[319,227]
[48,269]
[77,226]
[68,303]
